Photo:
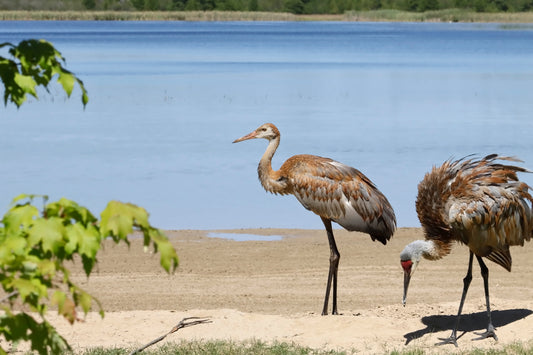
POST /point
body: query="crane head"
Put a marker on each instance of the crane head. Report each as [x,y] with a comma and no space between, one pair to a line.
[409,258]
[267,131]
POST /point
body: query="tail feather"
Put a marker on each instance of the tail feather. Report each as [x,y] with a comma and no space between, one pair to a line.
[380,237]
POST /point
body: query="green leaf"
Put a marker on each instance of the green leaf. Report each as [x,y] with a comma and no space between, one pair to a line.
[169,259]
[88,264]
[45,339]
[29,197]
[72,242]
[14,245]
[59,297]
[26,83]
[70,211]
[118,219]
[65,306]
[85,241]
[12,91]
[118,226]
[84,300]
[15,327]
[20,197]
[46,267]
[27,288]
[84,97]
[19,217]
[89,240]
[48,231]
[67,80]
[11,249]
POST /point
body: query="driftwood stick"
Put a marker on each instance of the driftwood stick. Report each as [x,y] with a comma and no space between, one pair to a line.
[185,322]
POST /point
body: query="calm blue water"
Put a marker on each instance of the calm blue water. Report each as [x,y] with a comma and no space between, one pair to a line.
[168,98]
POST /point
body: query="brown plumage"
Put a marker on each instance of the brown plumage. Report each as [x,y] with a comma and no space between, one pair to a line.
[334,191]
[479,203]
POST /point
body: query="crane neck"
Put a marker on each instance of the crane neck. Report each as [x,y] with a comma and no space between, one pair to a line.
[429,249]
[271,179]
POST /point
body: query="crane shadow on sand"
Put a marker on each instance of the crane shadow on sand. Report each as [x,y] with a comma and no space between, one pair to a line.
[469,322]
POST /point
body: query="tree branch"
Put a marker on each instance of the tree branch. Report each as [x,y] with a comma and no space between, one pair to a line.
[8,296]
[182,324]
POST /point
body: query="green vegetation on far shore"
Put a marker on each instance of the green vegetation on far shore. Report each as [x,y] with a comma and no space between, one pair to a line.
[449,15]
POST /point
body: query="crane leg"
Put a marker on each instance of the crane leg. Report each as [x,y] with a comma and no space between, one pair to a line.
[490,332]
[333,268]
[466,283]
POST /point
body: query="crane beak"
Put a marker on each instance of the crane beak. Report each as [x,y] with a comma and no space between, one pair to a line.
[406,279]
[250,135]
[408,268]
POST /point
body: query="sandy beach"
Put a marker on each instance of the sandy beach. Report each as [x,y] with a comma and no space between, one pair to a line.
[274,290]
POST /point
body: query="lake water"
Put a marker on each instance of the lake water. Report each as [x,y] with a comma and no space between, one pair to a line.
[168,98]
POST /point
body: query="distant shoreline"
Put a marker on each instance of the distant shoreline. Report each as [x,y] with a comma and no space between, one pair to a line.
[449,15]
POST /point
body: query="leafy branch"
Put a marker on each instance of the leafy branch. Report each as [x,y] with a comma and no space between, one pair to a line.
[34,246]
[35,63]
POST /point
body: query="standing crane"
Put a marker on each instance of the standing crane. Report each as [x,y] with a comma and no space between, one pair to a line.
[334,191]
[479,203]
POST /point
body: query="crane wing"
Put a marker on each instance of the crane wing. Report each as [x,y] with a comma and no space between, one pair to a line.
[341,193]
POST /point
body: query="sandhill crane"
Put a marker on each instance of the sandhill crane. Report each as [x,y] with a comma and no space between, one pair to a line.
[334,191]
[480,203]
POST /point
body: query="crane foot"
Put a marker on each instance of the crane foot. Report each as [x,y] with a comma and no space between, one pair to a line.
[450,340]
[490,333]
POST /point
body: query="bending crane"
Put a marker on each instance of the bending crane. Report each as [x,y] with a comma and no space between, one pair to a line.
[479,203]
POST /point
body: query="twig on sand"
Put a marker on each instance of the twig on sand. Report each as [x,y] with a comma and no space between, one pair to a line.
[185,322]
